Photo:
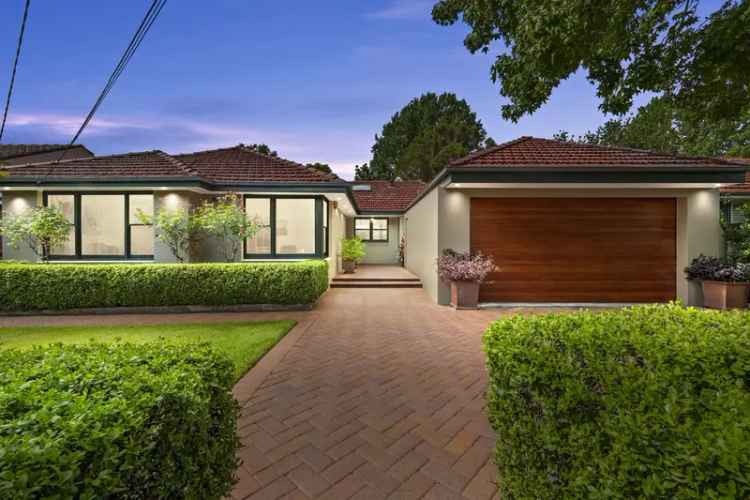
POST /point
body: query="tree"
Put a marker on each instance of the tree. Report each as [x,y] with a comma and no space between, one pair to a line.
[626,48]
[42,229]
[263,149]
[321,167]
[179,229]
[225,220]
[658,126]
[363,173]
[424,136]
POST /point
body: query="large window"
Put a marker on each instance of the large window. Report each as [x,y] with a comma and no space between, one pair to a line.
[289,227]
[371,229]
[105,225]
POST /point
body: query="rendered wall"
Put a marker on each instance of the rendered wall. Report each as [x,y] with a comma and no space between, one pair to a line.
[380,252]
[421,227]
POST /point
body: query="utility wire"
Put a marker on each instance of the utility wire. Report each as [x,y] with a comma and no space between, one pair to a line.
[15,66]
[148,20]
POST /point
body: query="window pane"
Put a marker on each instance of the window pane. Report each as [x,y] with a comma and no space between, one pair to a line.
[295,226]
[65,203]
[363,234]
[103,224]
[141,240]
[379,235]
[142,202]
[380,223]
[325,227]
[362,224]
[259,210]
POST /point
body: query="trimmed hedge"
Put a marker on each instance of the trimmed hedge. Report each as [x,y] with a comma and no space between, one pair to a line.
[647,402]
[25,287]
[117,421]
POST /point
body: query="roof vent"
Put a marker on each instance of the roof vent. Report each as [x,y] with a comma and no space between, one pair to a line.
[362,187]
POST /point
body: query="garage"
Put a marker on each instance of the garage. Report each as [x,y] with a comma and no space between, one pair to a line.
[567,250]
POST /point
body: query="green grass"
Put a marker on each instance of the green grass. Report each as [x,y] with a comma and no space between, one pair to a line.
[243,342]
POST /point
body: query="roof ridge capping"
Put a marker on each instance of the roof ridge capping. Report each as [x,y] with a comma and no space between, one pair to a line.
[331,176]
[91,158]
[177,163]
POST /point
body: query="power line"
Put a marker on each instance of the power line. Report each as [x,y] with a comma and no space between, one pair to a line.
[148,20]
[15,66]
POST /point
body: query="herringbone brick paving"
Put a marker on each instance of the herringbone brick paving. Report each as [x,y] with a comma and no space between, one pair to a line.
[381,397]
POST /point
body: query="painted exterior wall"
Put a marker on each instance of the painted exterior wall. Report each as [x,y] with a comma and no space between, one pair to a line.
[421,226]
[698,228]
[380,252]
[336,233]
[15,203]
[178,200]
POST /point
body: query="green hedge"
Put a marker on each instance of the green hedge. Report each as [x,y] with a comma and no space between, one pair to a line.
[25,287]
[117,421]
[647,402]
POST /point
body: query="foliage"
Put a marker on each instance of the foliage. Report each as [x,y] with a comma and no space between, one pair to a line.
[714,269]
[70,286]
[645,402]
[659,126]
[225,220]
[40,228]
[179,229]
[320,167]
[117,421]
[402,251]
[263,149]
[364,173]
[352,249]
[423,137]
[737,236]
[625,47]
[464,266]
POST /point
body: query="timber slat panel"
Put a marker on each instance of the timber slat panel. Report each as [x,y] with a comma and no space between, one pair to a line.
[577,249]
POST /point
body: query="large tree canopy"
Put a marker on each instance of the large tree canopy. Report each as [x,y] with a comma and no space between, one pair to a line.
[626,47]
[658,126]
[423,137]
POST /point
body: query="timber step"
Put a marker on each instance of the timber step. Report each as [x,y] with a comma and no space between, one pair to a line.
[376,283]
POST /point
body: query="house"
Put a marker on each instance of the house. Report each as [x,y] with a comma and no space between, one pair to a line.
[565,222]
[20,154]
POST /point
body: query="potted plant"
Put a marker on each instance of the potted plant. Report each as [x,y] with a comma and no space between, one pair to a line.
[352,252]
[464,272]
[725,284]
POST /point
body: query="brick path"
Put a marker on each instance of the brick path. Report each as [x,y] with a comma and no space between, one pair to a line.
[381,397]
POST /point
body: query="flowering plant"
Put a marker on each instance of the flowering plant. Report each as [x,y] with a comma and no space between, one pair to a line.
[464,266]
[715,269]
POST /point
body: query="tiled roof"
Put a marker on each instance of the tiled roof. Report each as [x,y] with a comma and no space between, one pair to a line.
[738,188]
[535,152]
[242,164]
[387,195]
[144,164]
[8,151]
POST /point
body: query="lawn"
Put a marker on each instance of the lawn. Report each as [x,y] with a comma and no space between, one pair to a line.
[243,342]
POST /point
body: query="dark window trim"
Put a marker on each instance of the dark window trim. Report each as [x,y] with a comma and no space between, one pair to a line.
[372,230]
[274,255]
[77,223]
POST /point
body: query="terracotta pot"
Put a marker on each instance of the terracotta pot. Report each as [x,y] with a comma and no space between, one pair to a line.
[464,294]
[725,295]
[349,266]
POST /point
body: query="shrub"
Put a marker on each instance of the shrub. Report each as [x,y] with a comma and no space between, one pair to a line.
[225,219]
[704,268]
[647,402]
[352,249]
[41,229]
[464,266]
[69,286]
[116,421]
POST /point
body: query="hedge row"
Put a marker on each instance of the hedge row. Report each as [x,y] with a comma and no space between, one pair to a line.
[116,421]
[648,402]
[69,286]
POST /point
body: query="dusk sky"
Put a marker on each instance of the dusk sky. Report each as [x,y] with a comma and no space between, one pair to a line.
[314,80]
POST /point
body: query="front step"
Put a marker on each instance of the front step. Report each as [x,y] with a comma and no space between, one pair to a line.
[376,283]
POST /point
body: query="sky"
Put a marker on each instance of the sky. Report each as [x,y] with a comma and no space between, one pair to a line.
[314,80]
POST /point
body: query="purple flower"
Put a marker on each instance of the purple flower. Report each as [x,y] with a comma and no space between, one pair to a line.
[464,266]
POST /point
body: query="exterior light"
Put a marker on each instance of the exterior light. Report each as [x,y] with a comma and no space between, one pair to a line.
[163,188]
[458,185]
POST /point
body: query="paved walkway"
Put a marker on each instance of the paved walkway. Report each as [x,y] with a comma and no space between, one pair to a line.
[381,395]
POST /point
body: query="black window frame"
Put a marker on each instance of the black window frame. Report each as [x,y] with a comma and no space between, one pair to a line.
[371,229]
[78,255]
[321,249]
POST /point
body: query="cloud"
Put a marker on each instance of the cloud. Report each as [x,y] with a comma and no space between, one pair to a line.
[404,9]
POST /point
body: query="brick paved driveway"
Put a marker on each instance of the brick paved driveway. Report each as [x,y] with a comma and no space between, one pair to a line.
[381,397]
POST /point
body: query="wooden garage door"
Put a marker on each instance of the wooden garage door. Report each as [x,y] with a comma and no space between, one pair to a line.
[577,249]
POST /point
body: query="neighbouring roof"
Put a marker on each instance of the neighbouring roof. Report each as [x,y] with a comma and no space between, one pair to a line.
[387,196]
[535,152]
[8,151]
[738,188]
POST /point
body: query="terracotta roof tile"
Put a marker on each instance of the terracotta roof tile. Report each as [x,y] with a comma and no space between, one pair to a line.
[8,151]
[535,152]
[738,188]
[242,164]
[387,196]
